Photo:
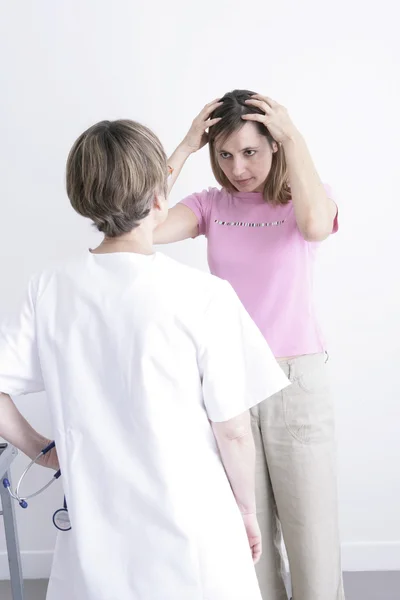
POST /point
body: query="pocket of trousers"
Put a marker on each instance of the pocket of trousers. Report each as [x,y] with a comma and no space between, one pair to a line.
[308,407]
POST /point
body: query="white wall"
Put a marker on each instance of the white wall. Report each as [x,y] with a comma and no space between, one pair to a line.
[66,65]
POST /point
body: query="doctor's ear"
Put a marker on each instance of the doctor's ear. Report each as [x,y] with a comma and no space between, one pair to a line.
[159,202]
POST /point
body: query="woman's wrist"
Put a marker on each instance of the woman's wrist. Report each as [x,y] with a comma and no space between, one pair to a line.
[292,139]
[179,157]
[185,149]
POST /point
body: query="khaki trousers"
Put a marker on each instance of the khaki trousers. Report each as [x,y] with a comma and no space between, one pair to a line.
[296,485]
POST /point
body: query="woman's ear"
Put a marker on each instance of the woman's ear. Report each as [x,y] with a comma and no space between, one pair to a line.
[275,147]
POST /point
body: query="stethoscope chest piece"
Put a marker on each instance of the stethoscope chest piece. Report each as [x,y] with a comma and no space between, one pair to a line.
[61,518]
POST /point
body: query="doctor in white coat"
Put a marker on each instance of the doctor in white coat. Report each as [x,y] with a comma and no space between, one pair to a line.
[150,368]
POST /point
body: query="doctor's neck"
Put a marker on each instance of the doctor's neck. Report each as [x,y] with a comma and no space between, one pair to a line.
[137,241]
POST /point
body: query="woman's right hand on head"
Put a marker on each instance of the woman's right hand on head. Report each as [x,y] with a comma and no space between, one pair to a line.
[197,137]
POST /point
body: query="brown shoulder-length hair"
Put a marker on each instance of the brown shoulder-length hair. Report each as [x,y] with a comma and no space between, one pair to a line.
[276,188]
[114,170]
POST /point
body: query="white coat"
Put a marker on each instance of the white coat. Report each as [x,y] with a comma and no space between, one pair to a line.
[137,354]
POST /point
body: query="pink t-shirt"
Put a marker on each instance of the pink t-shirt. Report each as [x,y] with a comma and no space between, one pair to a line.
[259,249]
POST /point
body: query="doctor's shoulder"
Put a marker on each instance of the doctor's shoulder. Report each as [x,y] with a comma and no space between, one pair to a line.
[188,281]
[197,287]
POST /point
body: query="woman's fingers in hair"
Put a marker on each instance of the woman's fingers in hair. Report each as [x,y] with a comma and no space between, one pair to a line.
[260,104]
[254,117]
[272,103]
[216,101]
[209,108]
[212,122]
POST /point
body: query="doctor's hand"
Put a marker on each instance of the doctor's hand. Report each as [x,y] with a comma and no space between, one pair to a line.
[50,459]
[253,535]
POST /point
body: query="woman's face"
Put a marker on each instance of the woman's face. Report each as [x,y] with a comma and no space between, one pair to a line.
[245,157]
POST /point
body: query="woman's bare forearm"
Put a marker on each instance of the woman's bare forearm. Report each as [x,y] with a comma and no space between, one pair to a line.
[314,211]
[176,162]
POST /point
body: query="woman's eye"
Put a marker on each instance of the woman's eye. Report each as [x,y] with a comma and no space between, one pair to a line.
[250,152]
[224,155]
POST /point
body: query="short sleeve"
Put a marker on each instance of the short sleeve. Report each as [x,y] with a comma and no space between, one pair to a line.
[20,371]
[237,366]
[200,204]
[331,196]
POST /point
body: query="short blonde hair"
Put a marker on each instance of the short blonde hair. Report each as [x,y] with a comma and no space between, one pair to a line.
[114,169]
[276,187]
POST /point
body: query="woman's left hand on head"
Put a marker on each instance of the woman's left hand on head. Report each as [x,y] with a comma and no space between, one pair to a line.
[275,118]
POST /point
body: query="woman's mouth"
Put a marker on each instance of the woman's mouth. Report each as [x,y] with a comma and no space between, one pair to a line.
[242,182]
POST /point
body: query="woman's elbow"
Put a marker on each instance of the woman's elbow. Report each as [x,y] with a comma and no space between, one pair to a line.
[315,231]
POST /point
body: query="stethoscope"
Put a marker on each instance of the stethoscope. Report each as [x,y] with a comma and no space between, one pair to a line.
[60,518]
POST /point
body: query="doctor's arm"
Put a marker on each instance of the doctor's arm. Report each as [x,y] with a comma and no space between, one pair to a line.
[236,445]
[20,373]
[16,430]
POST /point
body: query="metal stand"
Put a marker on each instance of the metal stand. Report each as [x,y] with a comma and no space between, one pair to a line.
[7,455]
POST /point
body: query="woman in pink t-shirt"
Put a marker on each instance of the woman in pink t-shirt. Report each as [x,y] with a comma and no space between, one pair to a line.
[263,228]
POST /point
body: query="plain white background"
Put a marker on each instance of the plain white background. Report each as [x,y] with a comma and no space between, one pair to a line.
[66,65]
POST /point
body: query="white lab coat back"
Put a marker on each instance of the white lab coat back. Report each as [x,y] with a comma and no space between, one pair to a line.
[137,354]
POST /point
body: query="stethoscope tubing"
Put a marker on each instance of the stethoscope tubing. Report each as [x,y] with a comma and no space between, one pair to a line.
[22,501]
